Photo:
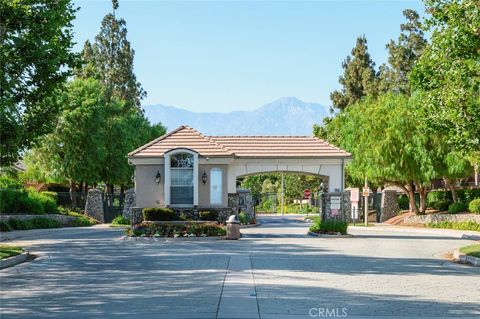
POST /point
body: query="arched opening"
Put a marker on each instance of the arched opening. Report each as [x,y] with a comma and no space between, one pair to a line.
[285,192]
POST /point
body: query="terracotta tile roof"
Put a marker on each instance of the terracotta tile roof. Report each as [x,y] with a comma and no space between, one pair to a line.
[240,146]
[182,137]
[279,146]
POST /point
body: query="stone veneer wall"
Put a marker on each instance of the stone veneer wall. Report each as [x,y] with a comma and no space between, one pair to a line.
[245,202]
[233,202]
[433,218]
[345,209]
[129,203]
[389,205]
[94,205]
[63,219]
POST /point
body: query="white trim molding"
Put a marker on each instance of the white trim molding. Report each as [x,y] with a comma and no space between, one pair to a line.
[167,161]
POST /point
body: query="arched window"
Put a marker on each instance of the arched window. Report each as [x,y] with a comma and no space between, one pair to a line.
[182,181]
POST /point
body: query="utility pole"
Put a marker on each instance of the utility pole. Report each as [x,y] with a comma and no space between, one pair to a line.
[283,193]
[365,196]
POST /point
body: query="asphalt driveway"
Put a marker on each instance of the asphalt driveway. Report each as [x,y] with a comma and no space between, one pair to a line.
[275,271]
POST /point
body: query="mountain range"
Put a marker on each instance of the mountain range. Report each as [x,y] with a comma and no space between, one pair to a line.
[285,116]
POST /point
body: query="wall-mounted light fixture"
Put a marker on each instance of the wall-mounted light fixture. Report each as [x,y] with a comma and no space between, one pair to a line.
[158,177]
[204,177]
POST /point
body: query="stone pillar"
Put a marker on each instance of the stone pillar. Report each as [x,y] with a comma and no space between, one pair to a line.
[129,203]
[389,205]
[94,205]
[233,202]
[245,202]
[336,205]
[136,215]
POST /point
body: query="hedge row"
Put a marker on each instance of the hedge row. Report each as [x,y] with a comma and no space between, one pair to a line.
[176,230]
[35,223]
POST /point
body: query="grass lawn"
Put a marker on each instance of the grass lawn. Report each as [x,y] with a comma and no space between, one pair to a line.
[9,251]
[472,250]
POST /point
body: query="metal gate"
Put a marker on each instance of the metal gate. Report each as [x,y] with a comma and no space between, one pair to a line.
[112,206]
[266,203]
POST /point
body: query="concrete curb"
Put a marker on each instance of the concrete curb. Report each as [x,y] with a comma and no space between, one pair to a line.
[168,239]
[14,260]
[250,225]
[328,235]
[466,259]
[472,235]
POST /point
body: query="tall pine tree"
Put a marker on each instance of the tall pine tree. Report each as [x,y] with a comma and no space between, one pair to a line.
[403,55]
[358,79]
[110,60]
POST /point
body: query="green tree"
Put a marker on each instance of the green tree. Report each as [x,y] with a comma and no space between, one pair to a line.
[403,55]
[35,59]
[75,150]
[388,147]
[448,73]
[358,79]
[126,131]
[110,60]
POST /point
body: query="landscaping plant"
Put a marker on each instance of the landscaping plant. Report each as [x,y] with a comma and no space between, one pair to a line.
[457,208]
[159,214]
[329,226]
[120,220]
[208,215]
[474,206]
[150,229]
[466,225]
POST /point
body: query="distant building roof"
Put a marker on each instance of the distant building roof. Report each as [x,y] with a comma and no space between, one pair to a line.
[240,146]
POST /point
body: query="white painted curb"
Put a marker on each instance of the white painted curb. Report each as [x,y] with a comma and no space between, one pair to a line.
[329,236]
[466,259]
[250,225]
[13,261]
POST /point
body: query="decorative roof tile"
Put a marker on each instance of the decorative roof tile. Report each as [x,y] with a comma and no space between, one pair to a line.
[240,146]
[182,137]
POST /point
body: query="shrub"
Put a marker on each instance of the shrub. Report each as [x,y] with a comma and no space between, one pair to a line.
[467,195]
[52,195]
[435,196]
[441,204]
[466,225]
[20,201]
[159,214]
[17,224]
[474,206]
[42,222]
[170,230]
[120,220]
[47,202]
[457,207]
[5,226]
[9,183]
[403,202]
[83,221]
[244,218]
[208,215]
[330,226]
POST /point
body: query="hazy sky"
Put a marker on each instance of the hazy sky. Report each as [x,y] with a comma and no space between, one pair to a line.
[239,55]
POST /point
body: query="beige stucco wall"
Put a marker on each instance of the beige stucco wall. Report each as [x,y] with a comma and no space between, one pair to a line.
[148,193]
[204,190]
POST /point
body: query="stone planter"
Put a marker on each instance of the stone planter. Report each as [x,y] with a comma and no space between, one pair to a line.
[466,259]
[434,218]
[14,260]
[329,235]
[63,219]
